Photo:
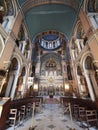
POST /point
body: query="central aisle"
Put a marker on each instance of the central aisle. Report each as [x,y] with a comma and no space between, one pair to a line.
[50,117]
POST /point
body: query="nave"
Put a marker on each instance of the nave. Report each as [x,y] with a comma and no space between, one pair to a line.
[51,116]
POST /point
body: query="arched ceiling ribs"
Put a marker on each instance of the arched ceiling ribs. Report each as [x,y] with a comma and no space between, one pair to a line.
[28,4]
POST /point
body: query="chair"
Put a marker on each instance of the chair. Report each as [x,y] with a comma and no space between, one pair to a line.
[29,110]
[38,106]
[13,117]
[22,112]
[66,108]
[82,115]
[91,118]
[76,111]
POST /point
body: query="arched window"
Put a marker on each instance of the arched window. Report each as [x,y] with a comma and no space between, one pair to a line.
[80,32]
[89,63]
[14,64]
[9,8]
[91,6]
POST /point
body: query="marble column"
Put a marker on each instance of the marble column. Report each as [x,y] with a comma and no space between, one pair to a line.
[91,92]
[28,54]
[78,44]
[76,54]
[73,54]
[79,84]
[23,86]
[92,77]
[14,86]
[24,44]
[81,42]
[7,94]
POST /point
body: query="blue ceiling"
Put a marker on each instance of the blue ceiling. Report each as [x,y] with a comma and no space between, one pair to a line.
[46,17]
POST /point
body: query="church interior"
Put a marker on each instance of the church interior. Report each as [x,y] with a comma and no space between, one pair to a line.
[48,64]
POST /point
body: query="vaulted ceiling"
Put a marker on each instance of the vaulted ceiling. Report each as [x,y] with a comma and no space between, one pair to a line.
[44,15]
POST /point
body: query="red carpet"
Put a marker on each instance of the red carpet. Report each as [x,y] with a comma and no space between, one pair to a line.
[51,101]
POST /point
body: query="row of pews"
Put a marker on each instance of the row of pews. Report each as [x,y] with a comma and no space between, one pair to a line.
[83,111]
[20,110]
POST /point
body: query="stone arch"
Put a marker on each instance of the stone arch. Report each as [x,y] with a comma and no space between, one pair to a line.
[83,58]
[14,7]
[12,74]
[14,64]
[18,58]
[82,84]
[85,6]
[26,67]
[75,29]
[79,32]
[88,73]
[41,34]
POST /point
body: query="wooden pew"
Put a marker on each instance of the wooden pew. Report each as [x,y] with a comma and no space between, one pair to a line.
[25,103]
[87,110]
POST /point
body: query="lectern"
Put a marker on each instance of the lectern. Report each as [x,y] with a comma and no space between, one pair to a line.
[4,110]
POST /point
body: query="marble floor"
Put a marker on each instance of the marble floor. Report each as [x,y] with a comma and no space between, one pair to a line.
[51,117]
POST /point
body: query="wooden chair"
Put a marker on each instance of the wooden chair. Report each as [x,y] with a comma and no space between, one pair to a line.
[82,115]
[38,106]
[91,118]
[13,117]
[76,111]
[29,110]
[22,112]
[66,108]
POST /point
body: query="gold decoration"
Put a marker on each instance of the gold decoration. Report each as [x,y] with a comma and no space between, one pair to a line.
[51,80]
